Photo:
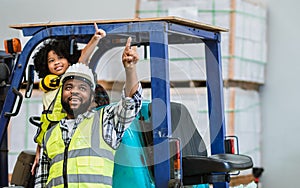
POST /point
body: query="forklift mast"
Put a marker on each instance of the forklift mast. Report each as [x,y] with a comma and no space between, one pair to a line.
[157,33]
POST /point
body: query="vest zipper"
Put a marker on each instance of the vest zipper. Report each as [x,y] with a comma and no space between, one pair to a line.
[65,175]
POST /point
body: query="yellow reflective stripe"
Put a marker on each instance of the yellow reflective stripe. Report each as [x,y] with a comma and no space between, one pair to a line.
[85,152]
[96,133]
[84,181]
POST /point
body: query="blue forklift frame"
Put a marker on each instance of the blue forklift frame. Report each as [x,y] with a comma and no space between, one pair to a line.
[158,32]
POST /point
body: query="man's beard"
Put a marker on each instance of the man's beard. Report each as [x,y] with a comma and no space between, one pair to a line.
[82,108]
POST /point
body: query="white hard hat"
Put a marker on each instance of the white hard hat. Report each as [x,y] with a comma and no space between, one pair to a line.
[80,71]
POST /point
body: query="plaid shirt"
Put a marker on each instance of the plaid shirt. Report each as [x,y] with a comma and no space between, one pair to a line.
[116,119]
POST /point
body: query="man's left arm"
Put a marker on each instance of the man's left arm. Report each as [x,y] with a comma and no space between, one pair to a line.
[118,118]
[132,93]
[130,58]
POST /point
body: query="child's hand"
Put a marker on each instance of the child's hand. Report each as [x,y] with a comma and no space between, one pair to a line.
[88,50]
[130,56]
[99,33]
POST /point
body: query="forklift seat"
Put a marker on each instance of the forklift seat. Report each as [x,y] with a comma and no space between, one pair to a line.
[183,127]
[198,168]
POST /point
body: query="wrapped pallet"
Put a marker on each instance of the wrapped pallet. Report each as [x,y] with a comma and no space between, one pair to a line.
[243,47]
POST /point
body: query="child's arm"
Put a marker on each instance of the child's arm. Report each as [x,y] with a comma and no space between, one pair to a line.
[90,47]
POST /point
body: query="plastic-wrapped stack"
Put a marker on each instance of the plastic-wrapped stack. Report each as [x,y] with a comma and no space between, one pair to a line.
[243,47]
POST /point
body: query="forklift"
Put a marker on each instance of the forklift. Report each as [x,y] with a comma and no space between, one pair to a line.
[161,157]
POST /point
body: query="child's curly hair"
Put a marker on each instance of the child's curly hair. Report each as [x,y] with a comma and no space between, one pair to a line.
[62,47]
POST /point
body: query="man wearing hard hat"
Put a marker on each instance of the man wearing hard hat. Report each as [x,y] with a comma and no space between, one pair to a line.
[79,150]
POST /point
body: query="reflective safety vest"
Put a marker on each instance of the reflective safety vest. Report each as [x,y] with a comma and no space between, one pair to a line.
[87,161]
[50,117]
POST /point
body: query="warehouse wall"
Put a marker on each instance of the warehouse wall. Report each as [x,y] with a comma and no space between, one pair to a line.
[280,97]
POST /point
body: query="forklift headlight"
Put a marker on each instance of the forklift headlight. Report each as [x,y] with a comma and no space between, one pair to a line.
[12,46]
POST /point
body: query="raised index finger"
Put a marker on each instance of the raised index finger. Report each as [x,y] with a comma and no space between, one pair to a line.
[128,43]
[96,26]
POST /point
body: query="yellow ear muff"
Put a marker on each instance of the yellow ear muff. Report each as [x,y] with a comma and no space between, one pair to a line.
[50,82]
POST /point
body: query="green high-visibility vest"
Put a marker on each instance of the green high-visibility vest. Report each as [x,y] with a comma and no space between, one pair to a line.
[87,161]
